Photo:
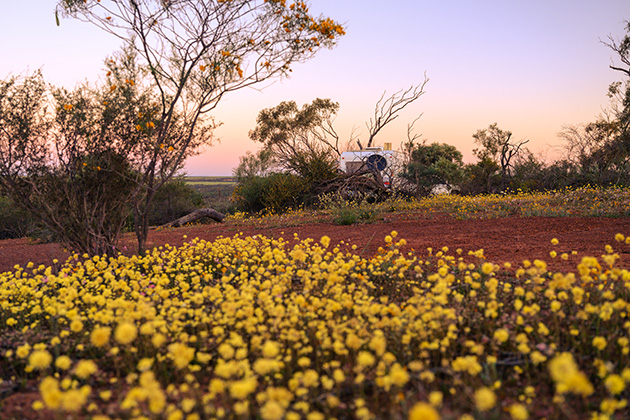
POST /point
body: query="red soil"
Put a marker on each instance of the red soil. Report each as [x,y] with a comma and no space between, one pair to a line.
[511,239]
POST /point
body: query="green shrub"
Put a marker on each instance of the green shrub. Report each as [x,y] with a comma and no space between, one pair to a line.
[247,195]
[173,200]
[15,222]
[432,165]
[482,178]
[361,209]
[315,166]
[284,191]
[345,216]
[274,193]
[352,215]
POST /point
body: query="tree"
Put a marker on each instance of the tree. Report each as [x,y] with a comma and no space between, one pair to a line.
[58,160]
[497,145]
[528,172]
[387,110]
[194,52]
[261,163]
[582,140]
[599,152]
[618,91]
[617,151]
[302,140]
[434,164]
[481,177]
[595,150]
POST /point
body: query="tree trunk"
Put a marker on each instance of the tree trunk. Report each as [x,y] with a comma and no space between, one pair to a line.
[141,229]
[195,215]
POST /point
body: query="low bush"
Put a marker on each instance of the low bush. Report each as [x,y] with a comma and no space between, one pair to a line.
[15,222]
[173,200]
[361,209]
[274,193]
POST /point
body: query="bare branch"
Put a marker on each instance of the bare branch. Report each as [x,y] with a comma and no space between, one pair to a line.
[411,137]
[387,109]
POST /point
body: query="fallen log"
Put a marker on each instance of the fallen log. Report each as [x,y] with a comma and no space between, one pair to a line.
[195,215]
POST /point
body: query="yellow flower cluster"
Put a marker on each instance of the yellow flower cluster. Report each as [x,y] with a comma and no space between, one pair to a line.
[253,327]
[580,202]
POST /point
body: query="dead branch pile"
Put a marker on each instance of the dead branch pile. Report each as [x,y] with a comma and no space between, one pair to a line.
[356,184]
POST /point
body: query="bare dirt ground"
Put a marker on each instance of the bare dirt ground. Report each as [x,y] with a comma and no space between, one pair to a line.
[512,239]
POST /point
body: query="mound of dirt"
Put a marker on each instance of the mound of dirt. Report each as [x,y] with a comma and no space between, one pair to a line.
[512,239]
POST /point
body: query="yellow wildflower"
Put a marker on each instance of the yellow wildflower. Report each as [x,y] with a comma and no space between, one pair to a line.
[485,399]
[518,412]
[63,362]
[423,411]
[435,398]
[182,354]
[50,392]
[241,389]
[365,359]
[270,349]
[599,343]
[125,333]
[23,351]
[272,410]
[39,359]
[85,368]
[74,399]
[615,384]
[501,335]
[100,336]
[398,375]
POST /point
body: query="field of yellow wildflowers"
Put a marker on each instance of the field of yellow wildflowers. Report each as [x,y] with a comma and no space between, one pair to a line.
[253,327]
[249,327]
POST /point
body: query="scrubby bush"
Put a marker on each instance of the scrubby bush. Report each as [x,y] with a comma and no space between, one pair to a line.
[482,177]
[433,164]
[15,222]
[360,209]
[315,166]
[274,193]
[172,201]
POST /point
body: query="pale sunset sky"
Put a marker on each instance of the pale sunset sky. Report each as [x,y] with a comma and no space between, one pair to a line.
[531,66]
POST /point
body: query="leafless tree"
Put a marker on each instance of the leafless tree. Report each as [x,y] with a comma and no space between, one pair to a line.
[400,183]
[582,140]
[619,92]
[408,146]
[622,48]
[388,109]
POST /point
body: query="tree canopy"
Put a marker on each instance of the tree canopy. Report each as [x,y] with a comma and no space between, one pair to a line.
[498,146]
[299,136]
[434,164]
[189,54]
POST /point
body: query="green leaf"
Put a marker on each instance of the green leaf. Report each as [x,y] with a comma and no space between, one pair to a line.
[57,17]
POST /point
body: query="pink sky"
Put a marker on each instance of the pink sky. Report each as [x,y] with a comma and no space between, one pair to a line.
[531,66]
